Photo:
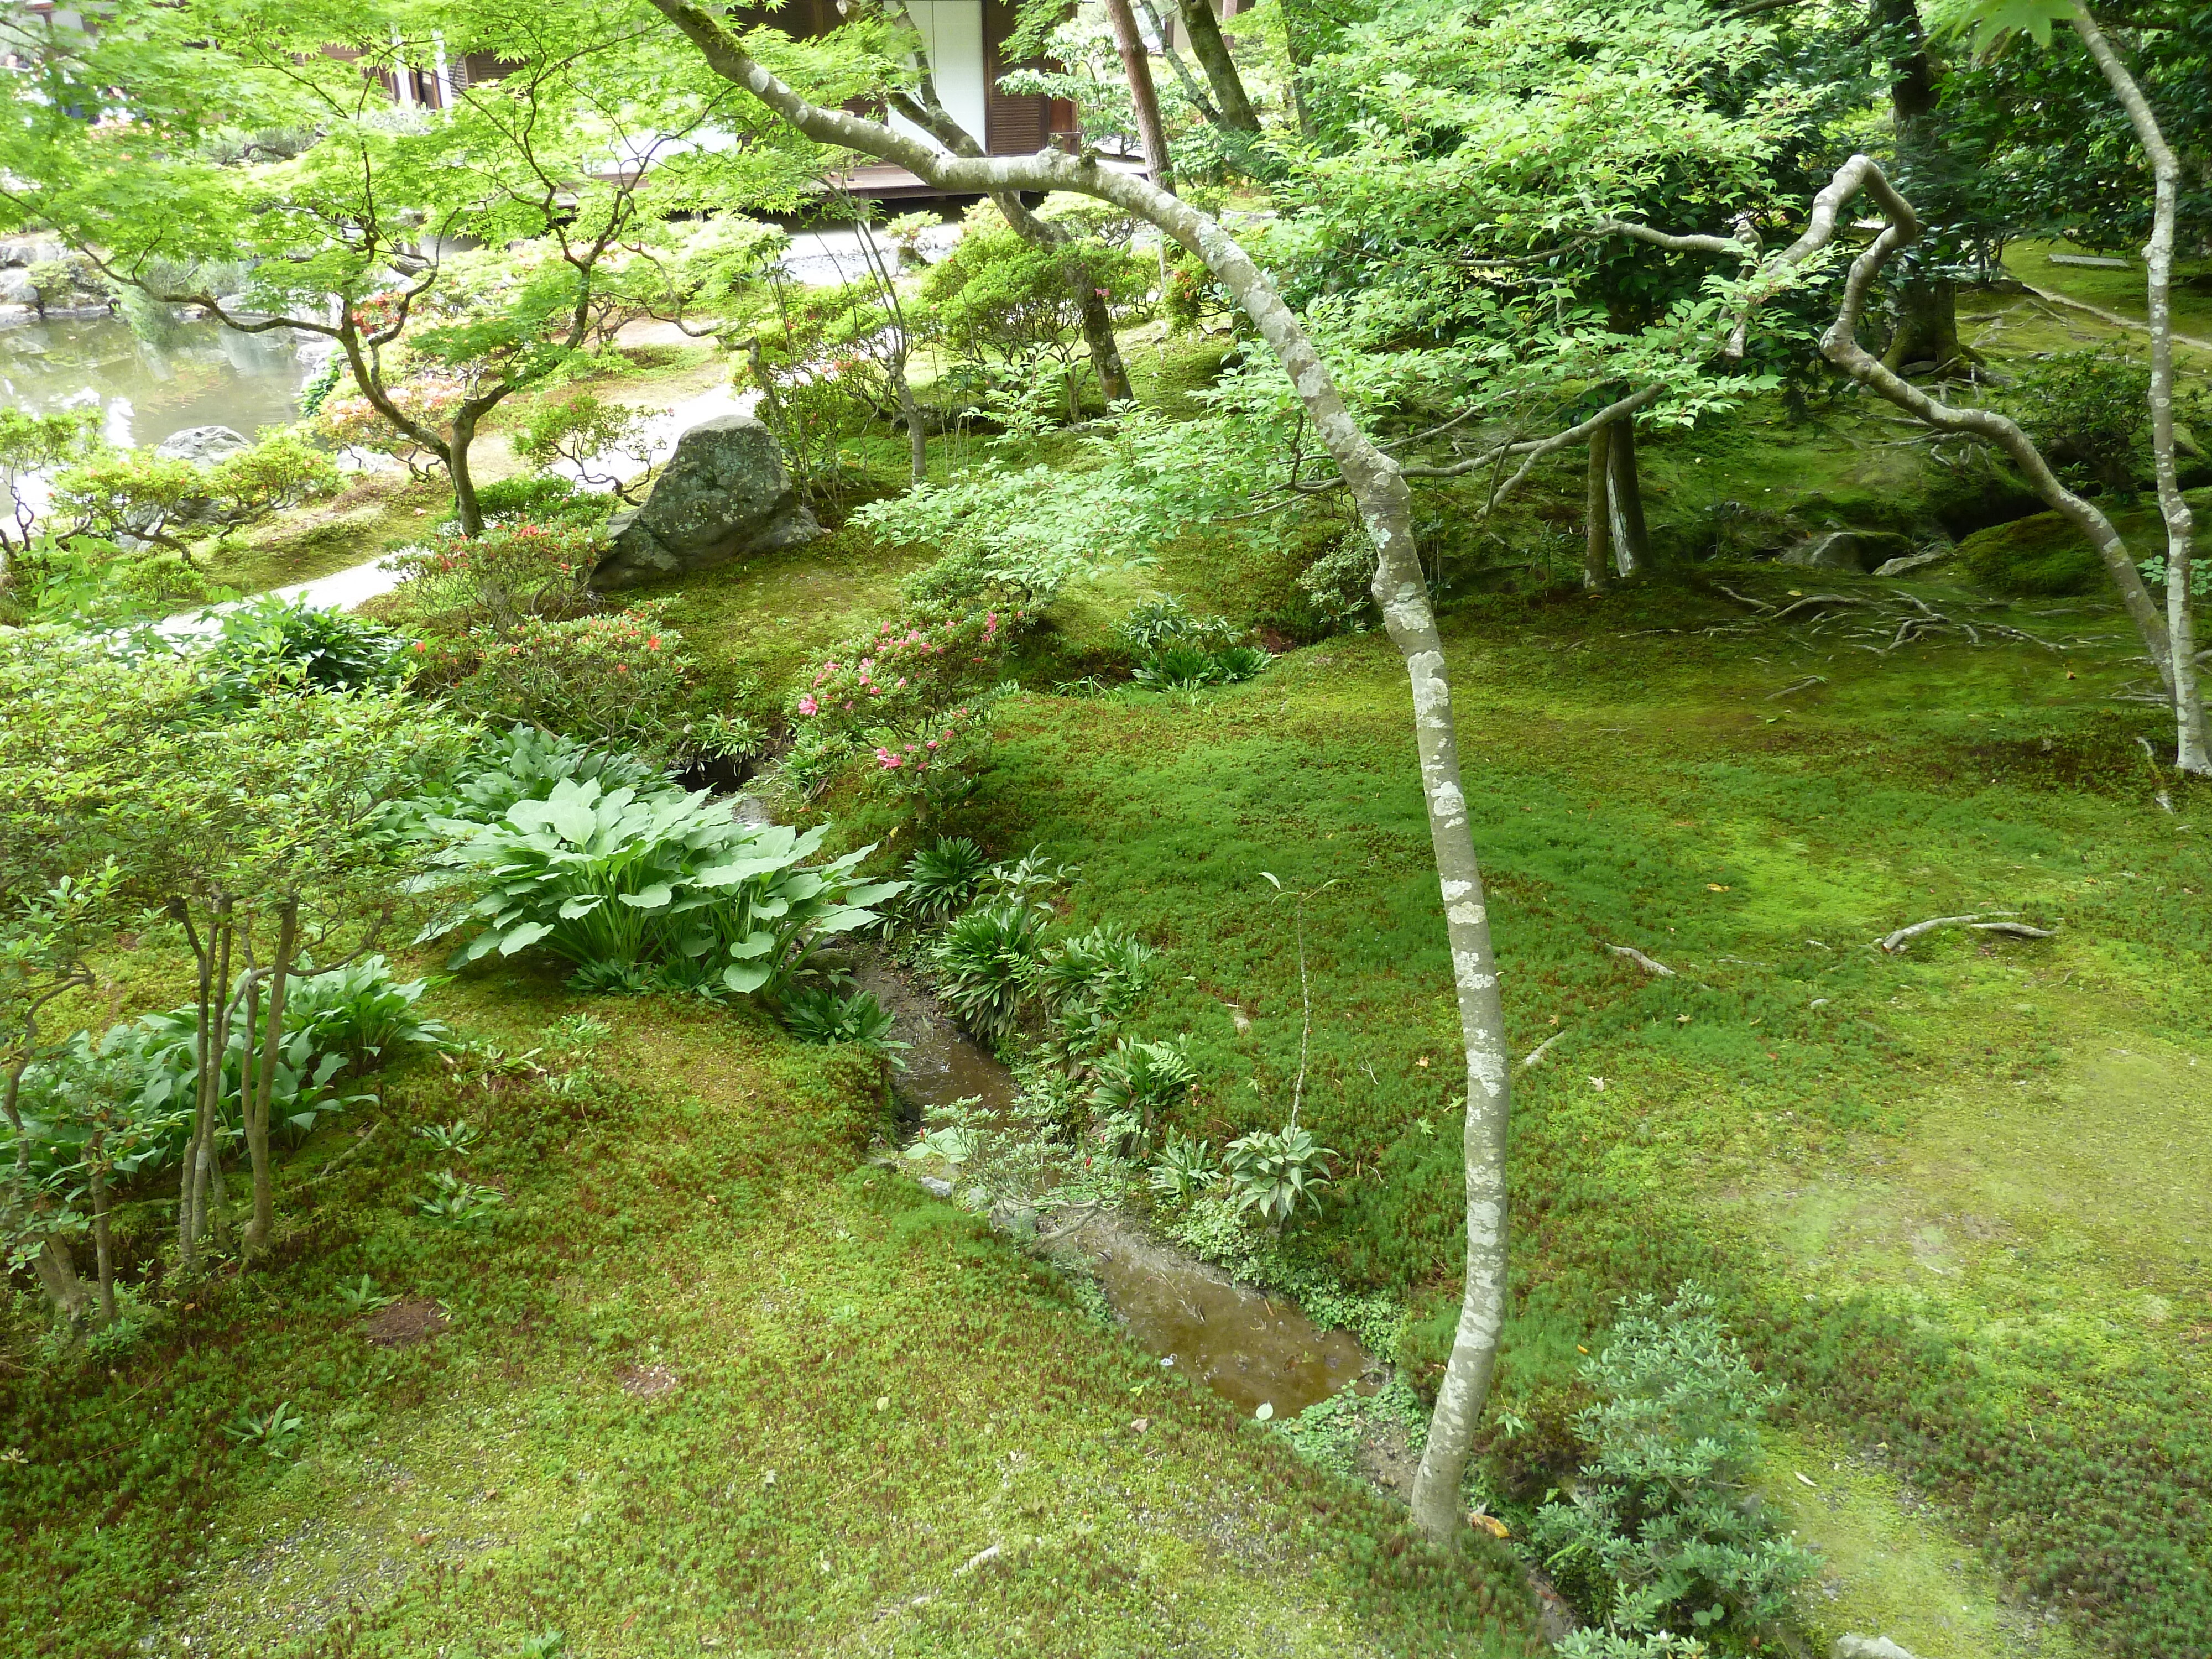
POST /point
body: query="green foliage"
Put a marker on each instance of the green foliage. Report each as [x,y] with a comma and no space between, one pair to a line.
[914,696]
[621,679]
[1175,651]
[31,446]
[628,885]
[821,1013]
[2087,411]
[1274,1173]
[269,644]
[1007,309]
[543,498]
[511,573]
[456,1139]
[588,432]
[1184,1169]
[1139,1084]
[134,1085]
[943,879]
[363,1296]
[361,1009]
[458,1203]
[275,1433]
[1661,1533]
[523,763]
[983,965]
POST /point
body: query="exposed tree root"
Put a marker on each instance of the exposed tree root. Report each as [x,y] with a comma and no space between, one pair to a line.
[1904,936]
[1642,960]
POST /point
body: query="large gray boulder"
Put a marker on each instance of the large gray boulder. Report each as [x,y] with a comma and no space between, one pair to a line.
[726,493]
[203,445]
[17,287]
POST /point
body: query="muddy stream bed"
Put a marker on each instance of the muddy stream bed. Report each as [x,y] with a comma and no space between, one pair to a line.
[1254,1350]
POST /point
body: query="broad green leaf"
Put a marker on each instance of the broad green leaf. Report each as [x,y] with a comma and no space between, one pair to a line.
[744,980]
[583,905]
[522,938]
[753,945]
[654,897]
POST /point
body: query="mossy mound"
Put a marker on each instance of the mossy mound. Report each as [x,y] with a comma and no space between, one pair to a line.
[2044,555]
[2041,556]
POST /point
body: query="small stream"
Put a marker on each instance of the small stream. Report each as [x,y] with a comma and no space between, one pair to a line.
[1253,1350]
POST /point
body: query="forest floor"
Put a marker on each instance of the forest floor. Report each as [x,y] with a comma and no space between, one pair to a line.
[1993,1151]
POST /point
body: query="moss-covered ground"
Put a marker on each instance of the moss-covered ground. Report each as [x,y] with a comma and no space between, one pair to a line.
[712,1383]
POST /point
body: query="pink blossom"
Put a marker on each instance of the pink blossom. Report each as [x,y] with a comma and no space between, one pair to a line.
[807,705]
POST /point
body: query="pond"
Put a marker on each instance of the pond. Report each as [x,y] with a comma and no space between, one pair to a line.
[205,374]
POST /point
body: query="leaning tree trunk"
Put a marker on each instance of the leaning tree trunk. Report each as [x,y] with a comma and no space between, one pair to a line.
[927,110]
[2190,748]
[1385,504]
[1212,51]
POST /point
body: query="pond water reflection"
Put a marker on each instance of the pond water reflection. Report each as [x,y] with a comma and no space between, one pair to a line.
[203,374]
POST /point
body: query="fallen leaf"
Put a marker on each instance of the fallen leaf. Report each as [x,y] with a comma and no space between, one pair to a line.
[1139,1425]
[1266,1412]
[1491,1524]
[1714,887]
[1806,1477]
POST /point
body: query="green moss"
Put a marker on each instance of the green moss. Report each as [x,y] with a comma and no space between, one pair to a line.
[710,1381]
[2044,556]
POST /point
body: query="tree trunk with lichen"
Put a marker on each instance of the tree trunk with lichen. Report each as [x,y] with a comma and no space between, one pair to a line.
[1384,501]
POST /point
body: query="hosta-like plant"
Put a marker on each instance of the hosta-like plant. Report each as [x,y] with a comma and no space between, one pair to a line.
[628,885]
[1275,1172]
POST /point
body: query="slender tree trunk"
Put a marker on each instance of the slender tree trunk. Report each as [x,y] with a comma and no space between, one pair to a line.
[1212,51]
[1385,504]
[1631,545]
[2189,748]
[927,110]
[102,1243]
[1299,50]
[1191,89]
[262,1094]
[1839,345]
[1597,515]
[1927,324]
[188,1230]
[208,1198]
[1137,66]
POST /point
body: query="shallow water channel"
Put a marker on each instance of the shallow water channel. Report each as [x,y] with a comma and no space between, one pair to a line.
[1253,1350]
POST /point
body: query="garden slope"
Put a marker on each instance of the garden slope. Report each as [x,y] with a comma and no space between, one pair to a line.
[712,1383]
[1956,1195]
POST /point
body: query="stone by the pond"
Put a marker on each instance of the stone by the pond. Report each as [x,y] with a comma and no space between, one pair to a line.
[1867,1647]
[203,445]
[17,287]
[726,493]
[1856,551]
[942,1188]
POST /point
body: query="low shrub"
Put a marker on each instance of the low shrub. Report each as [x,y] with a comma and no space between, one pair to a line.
[943,880]
[272,643]
[822,1014]
[621,679]
[1175,651]
[1660,1535]
[2087,411]
[1139,1084]
[512,573]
